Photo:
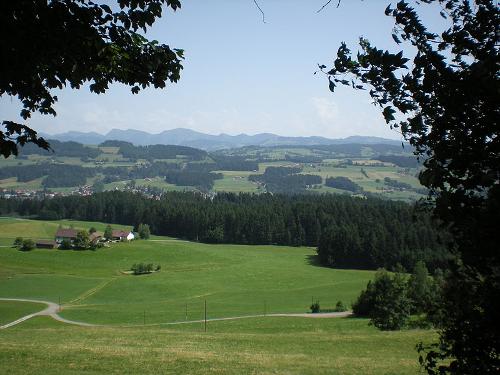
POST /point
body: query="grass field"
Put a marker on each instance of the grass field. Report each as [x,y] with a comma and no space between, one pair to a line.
[253,346]
[234,280]
[13,310]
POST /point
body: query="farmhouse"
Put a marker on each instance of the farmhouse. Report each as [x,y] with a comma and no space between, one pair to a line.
[120,235]
[95,237]
[65,234]
[45,244]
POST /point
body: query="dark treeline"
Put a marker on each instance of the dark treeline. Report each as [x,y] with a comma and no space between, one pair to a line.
[350,232]
[303,158]
[397,184]
[234,163]
[202,180]
[128,173]
[128,150]
[56,175]
[399,160]
[70,149]
[343,183]
[285,179]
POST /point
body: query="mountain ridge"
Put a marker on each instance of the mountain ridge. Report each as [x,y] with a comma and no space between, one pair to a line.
[209,142]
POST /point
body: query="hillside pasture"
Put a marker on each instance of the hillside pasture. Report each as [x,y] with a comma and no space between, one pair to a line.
[234,279]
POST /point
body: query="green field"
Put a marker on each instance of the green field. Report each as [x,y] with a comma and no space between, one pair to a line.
[137,311]
[326,165]
[13,310]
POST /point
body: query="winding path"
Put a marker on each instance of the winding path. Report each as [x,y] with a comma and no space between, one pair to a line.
[51,310]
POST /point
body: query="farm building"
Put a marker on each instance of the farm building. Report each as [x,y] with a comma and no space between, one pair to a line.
[45,244]
[96,236]
[120,235]
[65,234]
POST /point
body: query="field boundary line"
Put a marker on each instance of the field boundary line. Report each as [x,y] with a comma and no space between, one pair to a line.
[91,291]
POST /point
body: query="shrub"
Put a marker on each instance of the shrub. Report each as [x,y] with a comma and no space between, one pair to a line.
[18,242]
[65,245]
[340,307]
[144,231]
[142,268]
[27,245]
[315,308]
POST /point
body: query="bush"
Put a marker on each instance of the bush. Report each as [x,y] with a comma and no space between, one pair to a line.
[18,242]
[27,245]
[142,268]
[144,231]
[340,307]
[65,245]
[315,308]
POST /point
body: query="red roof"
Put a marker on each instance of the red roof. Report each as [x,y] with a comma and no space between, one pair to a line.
[66,233]
[119,233]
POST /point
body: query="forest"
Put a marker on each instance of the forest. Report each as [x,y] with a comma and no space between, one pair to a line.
[285,179]
[349,232]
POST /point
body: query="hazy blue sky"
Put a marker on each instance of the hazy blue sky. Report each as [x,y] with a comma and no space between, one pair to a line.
[241,75]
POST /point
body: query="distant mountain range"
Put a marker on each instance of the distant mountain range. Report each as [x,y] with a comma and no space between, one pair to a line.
[191,138]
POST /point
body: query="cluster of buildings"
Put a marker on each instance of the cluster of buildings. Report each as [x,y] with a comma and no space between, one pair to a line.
[70,235]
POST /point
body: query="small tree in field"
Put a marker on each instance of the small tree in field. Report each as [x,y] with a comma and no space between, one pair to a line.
[65,245]
[82,240]
[385,301]
[27,245]
[144,231]
[18,242]
[315,308]
[108,232]
[340,307]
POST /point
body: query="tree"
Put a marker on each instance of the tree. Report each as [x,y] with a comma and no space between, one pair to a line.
[446,105]
[420,288]
[18,242]
[144,231]
[108,232]
[92,230]
[28,244]
[385,301]
[82,240]
[65,244]
[47,45]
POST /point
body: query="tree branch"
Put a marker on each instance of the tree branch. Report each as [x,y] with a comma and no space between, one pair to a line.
[326,4]
[258,7]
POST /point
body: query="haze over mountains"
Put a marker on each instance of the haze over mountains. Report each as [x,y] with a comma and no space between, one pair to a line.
[209,142]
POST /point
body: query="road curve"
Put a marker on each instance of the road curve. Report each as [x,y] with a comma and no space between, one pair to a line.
[51,310]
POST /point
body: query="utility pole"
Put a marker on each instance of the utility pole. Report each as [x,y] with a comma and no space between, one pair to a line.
[205,315]
[186,311]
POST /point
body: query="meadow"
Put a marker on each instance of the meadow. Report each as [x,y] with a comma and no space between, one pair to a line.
[137,312]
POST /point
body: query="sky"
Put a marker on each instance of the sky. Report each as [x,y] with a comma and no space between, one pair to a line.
[241,75]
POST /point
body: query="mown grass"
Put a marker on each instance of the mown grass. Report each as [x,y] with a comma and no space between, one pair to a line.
[251,346]
[234,280]
[13,310]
